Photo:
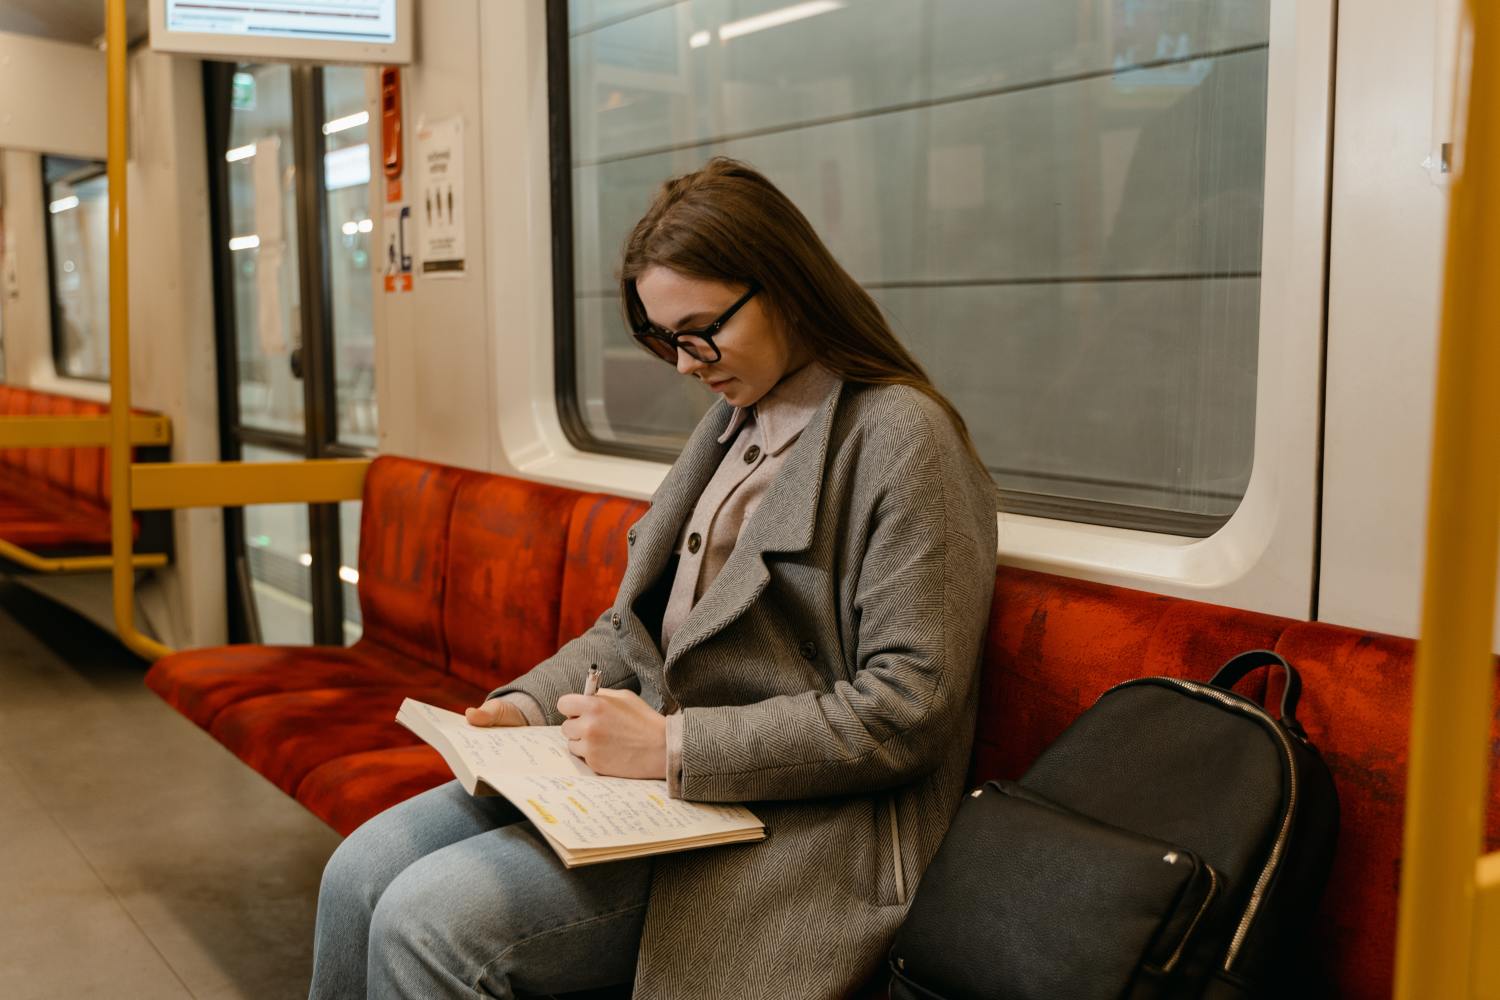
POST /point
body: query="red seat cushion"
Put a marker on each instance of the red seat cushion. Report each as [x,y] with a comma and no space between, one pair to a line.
[286,736]
[403,555]
[505,571]
[596,559]
[201,683]
[346,791]
[34,515]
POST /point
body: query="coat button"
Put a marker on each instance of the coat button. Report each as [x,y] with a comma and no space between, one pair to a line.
[751,454]
[614,621]
[809,650]
[695,542]
[630,537]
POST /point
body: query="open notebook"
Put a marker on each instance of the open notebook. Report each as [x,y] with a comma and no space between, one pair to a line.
[587,818]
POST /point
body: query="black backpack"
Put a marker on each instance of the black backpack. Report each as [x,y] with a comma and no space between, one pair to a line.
[1172,843]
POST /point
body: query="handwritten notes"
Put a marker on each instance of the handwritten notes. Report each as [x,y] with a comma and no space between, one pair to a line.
[586,817]
[614,812]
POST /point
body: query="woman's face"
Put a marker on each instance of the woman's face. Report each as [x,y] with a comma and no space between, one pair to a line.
[754,347]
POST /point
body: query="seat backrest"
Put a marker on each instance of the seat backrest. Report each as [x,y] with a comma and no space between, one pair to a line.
[38,404]
[596,559]
[90,465]
[1055,644]
[81,472]
[60,460]
[506,547]
[403,555]
[17,403]
[1356,705]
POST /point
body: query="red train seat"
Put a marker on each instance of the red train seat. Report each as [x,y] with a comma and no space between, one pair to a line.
[466,579]
[53,499]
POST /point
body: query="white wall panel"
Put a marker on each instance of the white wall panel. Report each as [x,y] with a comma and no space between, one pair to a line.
[1385,280]
[434,392]
[51,96]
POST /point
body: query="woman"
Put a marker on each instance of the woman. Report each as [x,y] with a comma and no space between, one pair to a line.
[798,627]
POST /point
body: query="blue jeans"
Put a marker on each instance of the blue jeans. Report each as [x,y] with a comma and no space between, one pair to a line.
[447,895]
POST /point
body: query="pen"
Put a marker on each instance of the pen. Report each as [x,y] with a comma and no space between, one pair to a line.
[591,684]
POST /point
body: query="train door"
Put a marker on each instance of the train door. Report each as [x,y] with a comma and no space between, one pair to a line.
[290,169]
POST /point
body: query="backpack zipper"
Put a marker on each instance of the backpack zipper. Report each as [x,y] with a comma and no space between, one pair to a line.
[1257,895]
[1213,890]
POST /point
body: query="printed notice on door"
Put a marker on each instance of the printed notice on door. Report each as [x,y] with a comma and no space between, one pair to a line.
[438,202]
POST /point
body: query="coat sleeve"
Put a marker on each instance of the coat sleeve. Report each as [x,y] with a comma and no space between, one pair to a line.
[921,598]
[564,671]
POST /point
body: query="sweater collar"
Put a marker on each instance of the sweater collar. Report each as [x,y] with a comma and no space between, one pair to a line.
[784,412]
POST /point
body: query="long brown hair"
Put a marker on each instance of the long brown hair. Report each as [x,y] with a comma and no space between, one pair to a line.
[727,222]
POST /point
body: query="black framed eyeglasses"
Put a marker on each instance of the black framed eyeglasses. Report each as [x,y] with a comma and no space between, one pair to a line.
[699,343]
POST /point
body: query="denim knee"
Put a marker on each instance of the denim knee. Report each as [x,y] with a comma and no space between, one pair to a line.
[353,875]
[414,944]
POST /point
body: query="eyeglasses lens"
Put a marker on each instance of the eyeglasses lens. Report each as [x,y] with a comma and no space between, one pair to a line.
[657,346]
[696,347]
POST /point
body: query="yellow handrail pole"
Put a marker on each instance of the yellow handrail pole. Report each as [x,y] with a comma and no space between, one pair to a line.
[169,486]
[87,431]
[119,345]
[1487,928]
[1454,681]
[74,564]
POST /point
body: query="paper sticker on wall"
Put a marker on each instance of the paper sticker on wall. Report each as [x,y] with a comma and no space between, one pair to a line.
[439,198]
[396,227]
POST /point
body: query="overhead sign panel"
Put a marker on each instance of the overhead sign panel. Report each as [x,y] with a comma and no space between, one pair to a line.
[359,31]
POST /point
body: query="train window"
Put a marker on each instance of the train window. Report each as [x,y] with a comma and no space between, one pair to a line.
[346,185]
[1058,206]
[77,205]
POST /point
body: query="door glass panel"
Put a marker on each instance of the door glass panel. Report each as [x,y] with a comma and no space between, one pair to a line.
[349,514]
[263,248]
[346,180]
[280,557]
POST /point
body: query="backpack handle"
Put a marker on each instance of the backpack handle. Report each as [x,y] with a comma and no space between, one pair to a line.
[1235,670]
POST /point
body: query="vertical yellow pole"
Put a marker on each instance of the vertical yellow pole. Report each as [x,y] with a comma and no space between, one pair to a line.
[1454,682]
[119,344]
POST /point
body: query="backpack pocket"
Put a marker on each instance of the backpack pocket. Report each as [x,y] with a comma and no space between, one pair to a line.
[1028,900]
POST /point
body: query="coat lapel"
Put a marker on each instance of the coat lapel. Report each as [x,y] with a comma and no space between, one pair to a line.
[656,533]
[783,522]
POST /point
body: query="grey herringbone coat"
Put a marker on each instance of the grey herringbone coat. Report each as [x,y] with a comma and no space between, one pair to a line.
[828,677]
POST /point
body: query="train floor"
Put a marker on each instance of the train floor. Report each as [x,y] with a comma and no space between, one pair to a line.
[138,858]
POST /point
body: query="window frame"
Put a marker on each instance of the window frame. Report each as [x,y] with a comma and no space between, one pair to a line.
[54,307]
[1079,510]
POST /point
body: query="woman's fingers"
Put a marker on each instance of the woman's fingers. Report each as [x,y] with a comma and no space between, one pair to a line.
[616,732]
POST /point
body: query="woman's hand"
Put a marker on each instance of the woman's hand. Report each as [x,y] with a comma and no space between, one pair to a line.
[616,733]
[495,712]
